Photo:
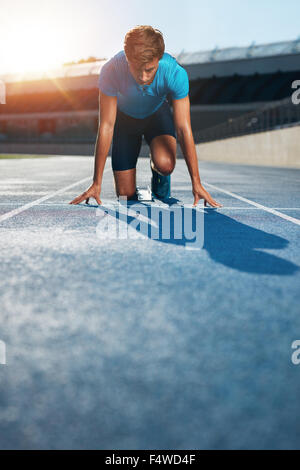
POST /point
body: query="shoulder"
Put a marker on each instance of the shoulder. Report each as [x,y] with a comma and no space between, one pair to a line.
[111,74]
[115,63]
[171,68]
[176,77]
[119,58]
[168,61]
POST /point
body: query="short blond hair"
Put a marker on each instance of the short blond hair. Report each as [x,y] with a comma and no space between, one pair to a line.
[143,44]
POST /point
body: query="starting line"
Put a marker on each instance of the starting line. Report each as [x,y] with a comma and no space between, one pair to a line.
[258,206]
[273,211]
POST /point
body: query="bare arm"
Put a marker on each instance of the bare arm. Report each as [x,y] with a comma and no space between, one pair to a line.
[107,118]
[182,121]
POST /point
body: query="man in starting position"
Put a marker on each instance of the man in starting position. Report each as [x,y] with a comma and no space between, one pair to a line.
[134,85]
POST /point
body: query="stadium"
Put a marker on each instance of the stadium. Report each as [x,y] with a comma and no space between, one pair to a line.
[152,323]
[57,113]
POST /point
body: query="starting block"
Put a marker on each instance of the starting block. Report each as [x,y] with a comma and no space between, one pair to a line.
[144,194]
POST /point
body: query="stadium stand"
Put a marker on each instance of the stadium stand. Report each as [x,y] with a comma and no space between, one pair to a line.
[276,115]
[242,89]
[62,105]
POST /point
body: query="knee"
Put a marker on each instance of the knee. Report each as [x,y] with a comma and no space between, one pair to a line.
[166,166]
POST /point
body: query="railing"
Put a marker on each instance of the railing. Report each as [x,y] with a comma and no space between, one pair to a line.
[271,116]
[275,115]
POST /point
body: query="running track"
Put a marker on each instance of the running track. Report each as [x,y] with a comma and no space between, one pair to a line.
[143,344]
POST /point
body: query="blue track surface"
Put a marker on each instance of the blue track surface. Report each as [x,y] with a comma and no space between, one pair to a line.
[143,344]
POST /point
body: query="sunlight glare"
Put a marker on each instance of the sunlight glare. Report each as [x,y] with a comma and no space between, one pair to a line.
[34,49]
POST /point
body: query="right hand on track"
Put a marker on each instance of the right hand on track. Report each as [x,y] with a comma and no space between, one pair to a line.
[93,191]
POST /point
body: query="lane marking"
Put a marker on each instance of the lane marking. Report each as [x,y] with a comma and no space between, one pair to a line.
[256,208]
[114,202]
[17,211]
[259,206]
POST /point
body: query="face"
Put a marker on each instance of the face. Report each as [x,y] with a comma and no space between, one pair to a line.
[143,74]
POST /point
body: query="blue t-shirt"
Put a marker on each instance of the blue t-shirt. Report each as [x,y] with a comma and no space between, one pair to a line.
[140,101]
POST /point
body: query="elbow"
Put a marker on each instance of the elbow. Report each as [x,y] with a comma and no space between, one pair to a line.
[183,132]
[106,127]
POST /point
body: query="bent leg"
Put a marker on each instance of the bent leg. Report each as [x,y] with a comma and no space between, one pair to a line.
[161,138]
[125,183]
[127,141]
[163,154]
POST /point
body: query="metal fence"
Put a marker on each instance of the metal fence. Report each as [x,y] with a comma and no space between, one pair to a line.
[271,116]
[275,115]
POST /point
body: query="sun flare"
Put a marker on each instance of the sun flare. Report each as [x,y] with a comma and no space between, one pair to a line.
[35,48]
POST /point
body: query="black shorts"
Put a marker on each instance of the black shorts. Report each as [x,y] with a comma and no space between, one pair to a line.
[128,132]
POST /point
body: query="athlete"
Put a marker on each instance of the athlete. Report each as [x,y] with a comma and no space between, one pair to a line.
[134,86]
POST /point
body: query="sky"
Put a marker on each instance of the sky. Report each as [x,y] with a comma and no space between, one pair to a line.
[38,35]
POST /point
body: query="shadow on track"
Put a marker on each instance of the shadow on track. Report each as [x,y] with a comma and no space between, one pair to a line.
[238,246]
[227,241]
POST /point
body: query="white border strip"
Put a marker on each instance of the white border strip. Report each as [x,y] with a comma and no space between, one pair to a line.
[17,211]
[259,206]
[115,202]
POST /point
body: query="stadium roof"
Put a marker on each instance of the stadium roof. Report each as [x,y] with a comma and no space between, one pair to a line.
[237,53]
[185,58]
[76,70]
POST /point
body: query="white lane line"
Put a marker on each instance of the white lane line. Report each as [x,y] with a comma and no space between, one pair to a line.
[115,202]
[256,208]
[237,208]
[14,212]
[259,206]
